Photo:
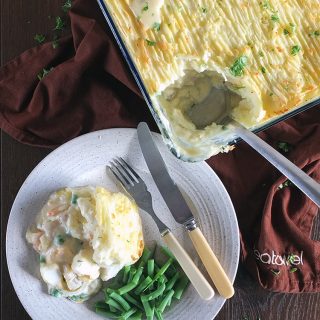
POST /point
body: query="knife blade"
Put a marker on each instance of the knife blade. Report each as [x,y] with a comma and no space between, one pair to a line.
[158,169]
[180,210]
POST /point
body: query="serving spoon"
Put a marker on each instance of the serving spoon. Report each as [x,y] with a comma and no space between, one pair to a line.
[302,181]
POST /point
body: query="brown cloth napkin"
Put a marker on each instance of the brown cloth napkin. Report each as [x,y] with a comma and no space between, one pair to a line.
[90,88]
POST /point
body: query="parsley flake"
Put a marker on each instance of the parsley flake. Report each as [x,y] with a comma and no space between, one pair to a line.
[150,43]
[295,50]
[237,69]
[284,146]
[43,73]
[145,7]
[59,24]
[263,70]
[40,38]
[265,5]
[67,6]
[314,33]
[286,32]
[286,184]
[156,26]
[275,17]
[204,10]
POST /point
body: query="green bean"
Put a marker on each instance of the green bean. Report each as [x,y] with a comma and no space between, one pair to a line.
[127,314]
[165,301]
[114,304]
[131,274]
[158,314]
[150,267]
[162,279]
[136,316]
[124,304]
[161,272]
[147,309]
[107,314]
[126,270]
[172,281]
[142,285]
[150,317]
[144,258]
[154,294]
[130,286]
[133,301]
[181,285]
[169,302]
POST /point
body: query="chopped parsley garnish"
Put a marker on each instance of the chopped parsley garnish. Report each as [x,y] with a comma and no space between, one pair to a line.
[289,29]
[145,7]
[40,38]
[284,146]
[156,26]
[43,73]
[237,69]
[67,6]
[286,184]
[150,43]
[265,5]
[59,24]
[74,199]
[55,44]
[295,50]
[275,17]
[315,33]
[263,70]
[271,94]
[261,54]
[204,10]
[56,293]
[79,298]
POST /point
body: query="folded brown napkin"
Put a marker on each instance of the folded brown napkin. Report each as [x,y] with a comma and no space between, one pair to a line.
[90,88]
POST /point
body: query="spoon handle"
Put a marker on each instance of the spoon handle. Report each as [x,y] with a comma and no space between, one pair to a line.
[306,184]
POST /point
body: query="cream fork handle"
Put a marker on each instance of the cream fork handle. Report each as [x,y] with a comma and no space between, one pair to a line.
[212,264]
[191,270]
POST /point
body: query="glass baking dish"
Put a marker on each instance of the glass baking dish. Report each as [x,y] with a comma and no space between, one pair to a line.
[232,139]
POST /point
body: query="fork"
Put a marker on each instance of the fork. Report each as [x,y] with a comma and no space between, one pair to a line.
[137,189]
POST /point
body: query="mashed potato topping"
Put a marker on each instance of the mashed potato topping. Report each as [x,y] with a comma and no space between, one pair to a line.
[85,235]
[266,52]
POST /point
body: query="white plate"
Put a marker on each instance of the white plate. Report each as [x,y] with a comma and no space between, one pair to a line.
[82,161]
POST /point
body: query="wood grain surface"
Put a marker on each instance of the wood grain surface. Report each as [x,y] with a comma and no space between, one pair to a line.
[20,21]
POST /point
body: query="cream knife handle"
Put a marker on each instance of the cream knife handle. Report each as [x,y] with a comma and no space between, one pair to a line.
[191,270]
[212,264]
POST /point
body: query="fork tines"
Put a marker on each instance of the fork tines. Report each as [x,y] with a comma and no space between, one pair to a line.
[124,172]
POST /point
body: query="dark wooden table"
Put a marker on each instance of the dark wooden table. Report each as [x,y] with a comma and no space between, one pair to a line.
[20,21]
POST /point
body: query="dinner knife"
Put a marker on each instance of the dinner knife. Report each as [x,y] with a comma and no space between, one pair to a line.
[180,210]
